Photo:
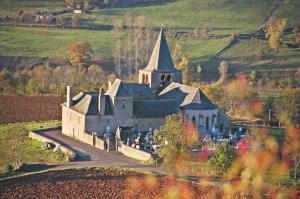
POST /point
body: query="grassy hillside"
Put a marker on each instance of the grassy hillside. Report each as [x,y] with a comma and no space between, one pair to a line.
[223,19]
[48,42]
[235,16]
[249,55]
[12,7]
[53,42]
[231,16]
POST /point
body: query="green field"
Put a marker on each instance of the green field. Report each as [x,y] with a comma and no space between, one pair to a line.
[12,7]
[234,16]
[49,42]
[30,151]
[53,42]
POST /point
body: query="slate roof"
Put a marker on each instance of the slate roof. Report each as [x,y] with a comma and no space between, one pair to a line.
[187,97]
[121,89]
[182,93]
[154,108]
[161,60]
[87,103]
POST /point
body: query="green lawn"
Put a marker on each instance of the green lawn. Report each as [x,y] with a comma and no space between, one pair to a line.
[30,150]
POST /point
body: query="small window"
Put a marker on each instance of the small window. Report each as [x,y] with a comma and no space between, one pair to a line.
[169,78]
[123,106]
[163,78]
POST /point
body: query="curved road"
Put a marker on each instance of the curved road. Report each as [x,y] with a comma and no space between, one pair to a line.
[89,156]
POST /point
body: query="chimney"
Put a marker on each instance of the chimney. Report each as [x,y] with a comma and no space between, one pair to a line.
[101,102]
[109,85]
[69,96]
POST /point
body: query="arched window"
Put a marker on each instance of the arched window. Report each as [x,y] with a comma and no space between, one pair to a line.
[194,120]
[146,79]
[169,78]
[143,78]
[163,78]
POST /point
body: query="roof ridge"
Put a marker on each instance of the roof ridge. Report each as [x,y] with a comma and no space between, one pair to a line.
[161,59]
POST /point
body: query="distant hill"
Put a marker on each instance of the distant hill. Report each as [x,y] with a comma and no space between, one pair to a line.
[221,18]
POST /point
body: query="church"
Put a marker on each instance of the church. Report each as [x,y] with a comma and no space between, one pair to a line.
[142,105]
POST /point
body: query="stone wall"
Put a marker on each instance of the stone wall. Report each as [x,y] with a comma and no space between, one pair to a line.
[73,123]
[133,152]
[92,139]
[35,135]
[100,144]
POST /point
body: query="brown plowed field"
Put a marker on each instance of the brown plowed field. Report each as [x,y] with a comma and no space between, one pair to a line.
[102,184]
[29,108]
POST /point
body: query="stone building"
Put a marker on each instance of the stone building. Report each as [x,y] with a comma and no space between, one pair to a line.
[142,105]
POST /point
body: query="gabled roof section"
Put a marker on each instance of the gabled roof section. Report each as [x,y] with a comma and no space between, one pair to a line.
[182,93]
[161,60]
[121,89]
[187,97]
[87,105]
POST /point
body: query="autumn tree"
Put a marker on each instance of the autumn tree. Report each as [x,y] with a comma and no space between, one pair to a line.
[72,3]
[80,54]
[222,158]
[274,31]
[61,20]
[287,109]
[117,46]
[75,21]
[177,55]
[253,76]
[138,42]
[6,81]
[292,148]
[175,139]
[296,36]
[18,16]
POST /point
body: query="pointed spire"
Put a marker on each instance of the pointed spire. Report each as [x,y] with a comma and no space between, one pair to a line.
[161,59]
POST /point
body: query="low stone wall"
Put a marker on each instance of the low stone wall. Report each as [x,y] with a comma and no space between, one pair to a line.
[35,135]
[100,144]
[133,152]
[88,139]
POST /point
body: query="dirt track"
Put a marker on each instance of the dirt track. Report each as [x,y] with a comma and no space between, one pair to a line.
[29,108]
[103,183]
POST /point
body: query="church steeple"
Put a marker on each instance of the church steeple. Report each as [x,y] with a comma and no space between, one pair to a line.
[160,69]
[161,60]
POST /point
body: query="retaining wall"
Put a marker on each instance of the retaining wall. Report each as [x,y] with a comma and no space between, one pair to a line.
[133,152]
